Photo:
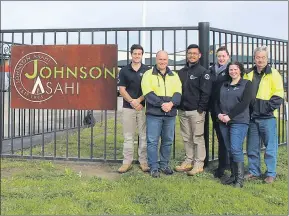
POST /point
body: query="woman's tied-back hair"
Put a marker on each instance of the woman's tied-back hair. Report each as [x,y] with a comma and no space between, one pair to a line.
[222,48]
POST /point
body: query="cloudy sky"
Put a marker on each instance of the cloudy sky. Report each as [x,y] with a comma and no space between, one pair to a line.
[262,18]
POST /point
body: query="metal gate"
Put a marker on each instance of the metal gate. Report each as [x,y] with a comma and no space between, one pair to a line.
[60,134]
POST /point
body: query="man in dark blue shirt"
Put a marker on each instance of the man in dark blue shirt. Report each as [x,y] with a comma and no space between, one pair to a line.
[133,115]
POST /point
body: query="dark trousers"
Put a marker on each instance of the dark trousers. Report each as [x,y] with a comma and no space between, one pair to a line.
[223,154]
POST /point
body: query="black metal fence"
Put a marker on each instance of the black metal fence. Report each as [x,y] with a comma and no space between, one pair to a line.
[60,134]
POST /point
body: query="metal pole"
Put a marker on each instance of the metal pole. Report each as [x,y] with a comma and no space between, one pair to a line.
[1,96]
[204,44]
[143,32]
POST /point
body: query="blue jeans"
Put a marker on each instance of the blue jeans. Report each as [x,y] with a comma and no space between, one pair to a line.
[157,126]
[267,131]
[234,135]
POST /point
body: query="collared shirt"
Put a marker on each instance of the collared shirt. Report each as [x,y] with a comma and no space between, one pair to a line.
[257,79]
[131,79]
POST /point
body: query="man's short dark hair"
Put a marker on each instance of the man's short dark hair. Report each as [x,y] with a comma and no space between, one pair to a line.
[223,48]
[136,46]
[193,46]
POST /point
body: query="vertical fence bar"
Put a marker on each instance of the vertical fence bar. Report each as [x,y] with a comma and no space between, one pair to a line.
[55,116]
[91,130]
[186,40]
[220,41]
[58,119]
[43,42]
[1,97]
[237,47]
[248,52]
[9,94]
[105,135]
[283,77]
[47,120]
[279,69]
[271,53]
[213,130]
[38,126]
[151,47]
[63,118]
[174,143]
[42,126]
[2,91]
[127,47]
[33,111]
[276,67]
[252,52]
[242,47]
[163,39]
[78,118]
[19,120]
[66,116]
[139,37]
[30,134]
[232,47]
[204,43]
[22,130]
[51,122]
[13,123]
[115,114]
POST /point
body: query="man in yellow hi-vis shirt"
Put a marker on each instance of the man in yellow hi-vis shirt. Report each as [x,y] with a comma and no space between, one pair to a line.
[268,95]
[162,90]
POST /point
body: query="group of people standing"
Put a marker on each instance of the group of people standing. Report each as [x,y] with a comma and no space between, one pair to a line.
[242,103]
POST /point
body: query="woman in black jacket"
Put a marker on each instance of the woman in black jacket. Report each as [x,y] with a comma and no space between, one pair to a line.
[219,75]
[232,107]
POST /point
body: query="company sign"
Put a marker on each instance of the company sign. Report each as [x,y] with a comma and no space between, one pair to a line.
[64,77]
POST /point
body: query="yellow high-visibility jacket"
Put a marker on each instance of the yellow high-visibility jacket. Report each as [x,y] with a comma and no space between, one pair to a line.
[158,89]
[270,93]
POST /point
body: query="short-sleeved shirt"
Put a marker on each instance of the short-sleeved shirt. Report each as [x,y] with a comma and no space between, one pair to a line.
[131,79]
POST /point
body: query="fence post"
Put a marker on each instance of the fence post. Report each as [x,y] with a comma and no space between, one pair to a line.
[204,44]
[1,93]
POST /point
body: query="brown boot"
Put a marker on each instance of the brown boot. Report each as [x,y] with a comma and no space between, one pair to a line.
[185,166]
[197,169]
[144,167]
[124,168]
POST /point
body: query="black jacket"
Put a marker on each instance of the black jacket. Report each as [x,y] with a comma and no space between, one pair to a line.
[217,81]
[234,100]
[196,88]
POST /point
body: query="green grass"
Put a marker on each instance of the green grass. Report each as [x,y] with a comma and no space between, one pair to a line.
[42,187]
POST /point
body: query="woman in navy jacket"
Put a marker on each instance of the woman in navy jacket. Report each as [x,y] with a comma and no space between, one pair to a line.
[232,107]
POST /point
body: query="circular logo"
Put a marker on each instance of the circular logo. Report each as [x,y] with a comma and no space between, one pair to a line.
[28,83]
[207,76]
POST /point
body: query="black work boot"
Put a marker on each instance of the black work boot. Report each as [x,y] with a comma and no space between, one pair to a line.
[219,172]
[239,175]
[231,179]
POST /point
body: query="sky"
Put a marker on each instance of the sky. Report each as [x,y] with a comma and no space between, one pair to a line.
[261,18]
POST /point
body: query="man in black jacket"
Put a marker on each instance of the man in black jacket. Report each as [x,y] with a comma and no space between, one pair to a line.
[196,90]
